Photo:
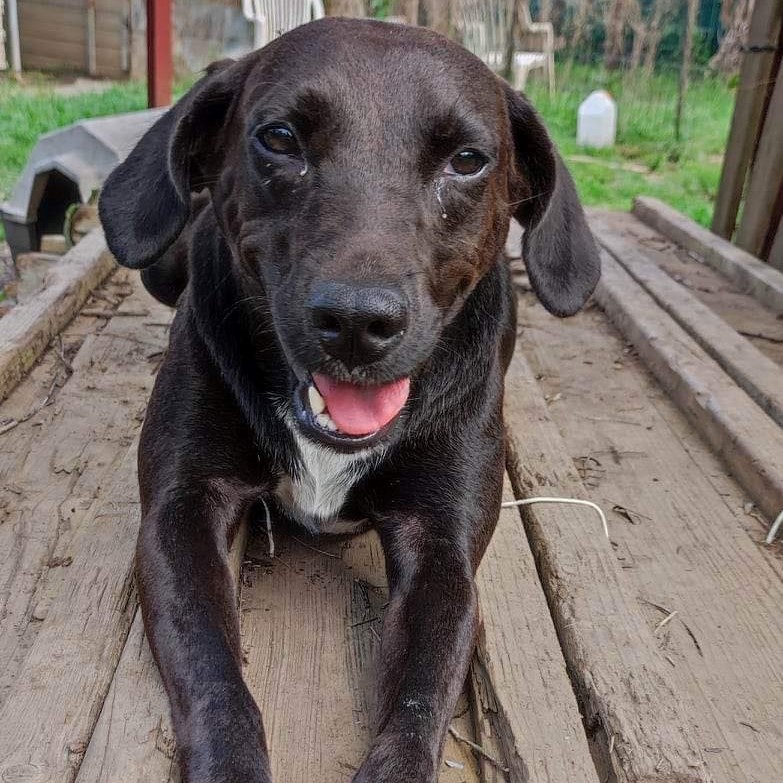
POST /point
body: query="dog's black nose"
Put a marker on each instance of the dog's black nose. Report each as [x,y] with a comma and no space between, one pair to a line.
[357,324]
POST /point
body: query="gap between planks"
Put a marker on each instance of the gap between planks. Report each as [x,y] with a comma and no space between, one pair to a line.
[748,272]
[133,740]
[77,501]
[620,678]
[681,533]
[310,623]
[57,463]
[735,427]
[754,372]
[49,714]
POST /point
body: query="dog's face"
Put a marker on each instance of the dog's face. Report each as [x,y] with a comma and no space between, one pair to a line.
[365,175]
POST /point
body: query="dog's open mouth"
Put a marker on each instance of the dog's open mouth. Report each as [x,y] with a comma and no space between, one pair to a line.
[348,415]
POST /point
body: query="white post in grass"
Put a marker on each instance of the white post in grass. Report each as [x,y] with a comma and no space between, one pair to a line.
[13,35]
[3,61]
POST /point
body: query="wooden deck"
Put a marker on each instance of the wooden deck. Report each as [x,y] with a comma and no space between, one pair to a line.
[653,657]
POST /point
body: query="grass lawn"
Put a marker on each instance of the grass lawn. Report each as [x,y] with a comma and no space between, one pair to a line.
[646,160]
[30,110]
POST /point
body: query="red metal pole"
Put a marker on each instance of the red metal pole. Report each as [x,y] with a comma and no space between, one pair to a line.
[159,44]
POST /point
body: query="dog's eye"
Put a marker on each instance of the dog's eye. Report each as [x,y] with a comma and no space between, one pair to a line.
[466,163]
[279,139]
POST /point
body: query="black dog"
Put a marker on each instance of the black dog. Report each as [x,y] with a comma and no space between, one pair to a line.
[345,318]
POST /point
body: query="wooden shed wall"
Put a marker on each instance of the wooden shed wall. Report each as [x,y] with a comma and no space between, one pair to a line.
[53,35]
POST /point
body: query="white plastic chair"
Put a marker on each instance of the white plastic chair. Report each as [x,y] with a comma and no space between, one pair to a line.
[272,18]
[485,26]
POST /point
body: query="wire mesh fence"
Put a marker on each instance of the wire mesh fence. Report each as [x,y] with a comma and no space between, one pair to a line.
[648,53]
[670,65]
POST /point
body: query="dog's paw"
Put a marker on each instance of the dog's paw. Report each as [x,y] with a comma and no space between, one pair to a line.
[394,759]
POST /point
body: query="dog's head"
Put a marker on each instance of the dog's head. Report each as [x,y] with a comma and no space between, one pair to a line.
[365,174]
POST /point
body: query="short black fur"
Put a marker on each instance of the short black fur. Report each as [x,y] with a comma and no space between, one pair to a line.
[239,237]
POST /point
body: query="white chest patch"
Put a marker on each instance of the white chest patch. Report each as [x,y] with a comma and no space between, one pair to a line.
[316,496]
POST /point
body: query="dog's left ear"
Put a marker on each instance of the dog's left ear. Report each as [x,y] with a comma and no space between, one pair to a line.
[145,201]
[558,248]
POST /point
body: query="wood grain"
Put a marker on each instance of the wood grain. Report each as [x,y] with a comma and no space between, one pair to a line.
[730,421]
[756,374]
[27,329]
[748,272]
[311,624]
[681,531]
[57,463]
[621,680]
[133,740]
[766,179]
[525,695]
[49,714]
[744,313]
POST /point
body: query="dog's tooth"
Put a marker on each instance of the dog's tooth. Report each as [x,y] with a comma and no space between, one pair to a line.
[317,404]
[325,420]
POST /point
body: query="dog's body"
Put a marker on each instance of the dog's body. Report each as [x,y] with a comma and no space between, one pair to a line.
[345,318]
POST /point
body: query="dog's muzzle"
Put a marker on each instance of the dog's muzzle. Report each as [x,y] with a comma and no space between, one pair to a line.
[347,416]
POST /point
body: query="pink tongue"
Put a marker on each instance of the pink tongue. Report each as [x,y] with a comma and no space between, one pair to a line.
[361,410]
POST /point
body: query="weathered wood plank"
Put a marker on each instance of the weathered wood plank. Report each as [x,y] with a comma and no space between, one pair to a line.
[746,122]
[57,462]
[35,17]
[776,253]
[735,427]
[620,677]
[748,272]
[311,623]
[766,179]
[682,533]
[73,53]
[758,375]
[45,35]
[743,312]
[105,69]
[526,694]
[484,712]
[27,329]
[133,740]
[50,712]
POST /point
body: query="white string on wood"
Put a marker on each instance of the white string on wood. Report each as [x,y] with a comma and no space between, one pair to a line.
[572,502]
[269,530]
[773,531]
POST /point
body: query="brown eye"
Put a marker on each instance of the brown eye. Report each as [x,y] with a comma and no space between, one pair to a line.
[279,140]
[466,163]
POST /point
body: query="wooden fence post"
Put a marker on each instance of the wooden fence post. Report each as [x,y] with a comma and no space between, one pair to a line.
[757,65]
[159,59]
[756,230]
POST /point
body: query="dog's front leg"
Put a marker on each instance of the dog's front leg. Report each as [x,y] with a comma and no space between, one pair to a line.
[428,637]
[188,601]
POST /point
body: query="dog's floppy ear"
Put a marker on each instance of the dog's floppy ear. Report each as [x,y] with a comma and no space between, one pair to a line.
[145,202]
[558,248]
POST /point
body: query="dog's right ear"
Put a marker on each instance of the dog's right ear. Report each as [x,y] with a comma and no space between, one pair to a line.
[145,202]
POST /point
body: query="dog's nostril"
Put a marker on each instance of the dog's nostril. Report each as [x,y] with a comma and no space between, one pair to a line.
[327,323]
[383,330]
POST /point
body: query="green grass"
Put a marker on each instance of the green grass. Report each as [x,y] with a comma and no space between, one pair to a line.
[685,174]
[31,109]
[28,111]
